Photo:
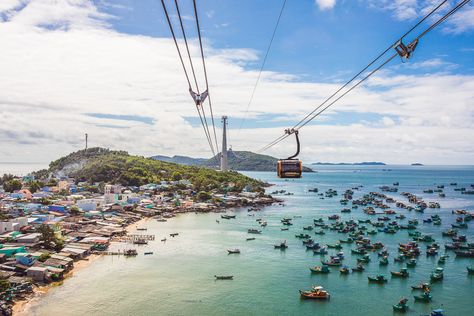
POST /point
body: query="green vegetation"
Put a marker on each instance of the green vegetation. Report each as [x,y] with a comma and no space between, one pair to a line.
[44,256]
[98,165]
[12,185]
[49,238]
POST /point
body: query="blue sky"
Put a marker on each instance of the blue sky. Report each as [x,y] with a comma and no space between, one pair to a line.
[110,69]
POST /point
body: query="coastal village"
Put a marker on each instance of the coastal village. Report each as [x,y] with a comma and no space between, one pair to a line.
[44,233]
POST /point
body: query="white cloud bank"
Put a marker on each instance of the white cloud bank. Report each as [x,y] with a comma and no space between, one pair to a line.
[325,4]
[60,62]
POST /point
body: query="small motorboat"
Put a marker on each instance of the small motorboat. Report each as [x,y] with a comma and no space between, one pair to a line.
[233,251]
[437,275]
[359,268]
[224,277]
[425,297]
[286,228]
[401,306]
[425,287]
[437,312]
[148,253]
[411,263]
[344,270]
[281,246]
[380,278]
[251,238]
[316,293]
[320,270]
[384,261]
[254,231]
[174,234]
[470,270]
[403,273]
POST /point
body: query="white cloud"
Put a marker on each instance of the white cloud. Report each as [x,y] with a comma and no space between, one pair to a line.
[325,4]
[461,21]
[89,68]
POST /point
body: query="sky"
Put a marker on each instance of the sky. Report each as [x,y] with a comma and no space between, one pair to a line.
[109,68]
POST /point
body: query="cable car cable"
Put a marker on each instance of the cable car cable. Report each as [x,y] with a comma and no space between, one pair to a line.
[263,65]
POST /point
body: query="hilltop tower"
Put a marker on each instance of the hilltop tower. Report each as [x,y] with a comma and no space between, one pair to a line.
[224,166]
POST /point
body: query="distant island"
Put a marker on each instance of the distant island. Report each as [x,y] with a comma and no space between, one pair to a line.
[364,163]
[237,160]
[417,164]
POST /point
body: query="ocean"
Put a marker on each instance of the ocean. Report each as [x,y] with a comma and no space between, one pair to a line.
[178,279]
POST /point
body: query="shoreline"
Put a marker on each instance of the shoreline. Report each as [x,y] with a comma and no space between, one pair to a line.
[23,307]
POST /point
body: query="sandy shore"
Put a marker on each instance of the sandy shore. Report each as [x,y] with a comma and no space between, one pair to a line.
[22,307]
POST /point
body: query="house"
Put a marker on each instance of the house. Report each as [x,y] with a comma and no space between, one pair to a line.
[10,251]
[29,238]
[24,258]
[38,274]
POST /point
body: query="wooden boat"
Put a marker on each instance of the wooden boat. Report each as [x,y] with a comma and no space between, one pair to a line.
[233,251]
[308,228]
[316,293]
[465,254]
[378,279]
[174,234]
[442,259]
[251,238]
[358,251]
[320,232]
[383,261]
[347,241]
[141,228]
[344,270]
[425,297]
[470,270]
[164,239]
[303,236]
[284,228]
[334,246]
[161,220]
[320,251]
[334,262]
[401,306]
[226,216]
[148,253]
[130,253]
[425,287]
[320,270]
[365,259]
[254,231]
[140,241]
[308,242]
[281,246]
[224,277]
[411,263]
[437,312]
[359,268]
[403,273]
[437,274]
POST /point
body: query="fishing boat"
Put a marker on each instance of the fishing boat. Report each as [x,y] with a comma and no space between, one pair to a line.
[334,262]
[224,277]
[380,278]
[174,234]
[308,228]
[320,270]
[425,287]
[148,253]
[164,239]
[254,231]
[442,259]
[365,259]
[233,251]
[347,241]
[358,251]
[437,312]
[284,228]
[359,268]
[308,242]
[320,251]
[465,254]
[403,273]
[425,297]
[316,293]
[161,220]
[250,238]
[303,236]
[141,228]
[470,270]
[226,216]
[383,261]
[334,246]
[140,241]
[401,306]
[437,274]
[320,232]
[411,263]
[130,253]
[281,246]
[344,270]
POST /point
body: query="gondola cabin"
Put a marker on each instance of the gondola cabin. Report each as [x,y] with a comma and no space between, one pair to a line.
[289,168]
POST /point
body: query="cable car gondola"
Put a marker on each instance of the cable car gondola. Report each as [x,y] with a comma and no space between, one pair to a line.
[290,167]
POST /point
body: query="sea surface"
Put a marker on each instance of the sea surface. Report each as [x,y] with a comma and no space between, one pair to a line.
[178,279]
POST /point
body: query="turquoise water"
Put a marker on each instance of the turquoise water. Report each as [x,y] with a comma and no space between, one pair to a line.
[178,278]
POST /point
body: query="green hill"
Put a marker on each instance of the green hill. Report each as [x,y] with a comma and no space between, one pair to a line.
[237,160]
[103,165]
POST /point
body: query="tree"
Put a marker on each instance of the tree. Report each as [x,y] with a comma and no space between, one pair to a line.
[203,196]
[176,176]
[4,285]
[12,185]
[6,177]
[34,186]
[44,256]
[74,210]
[47,235]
